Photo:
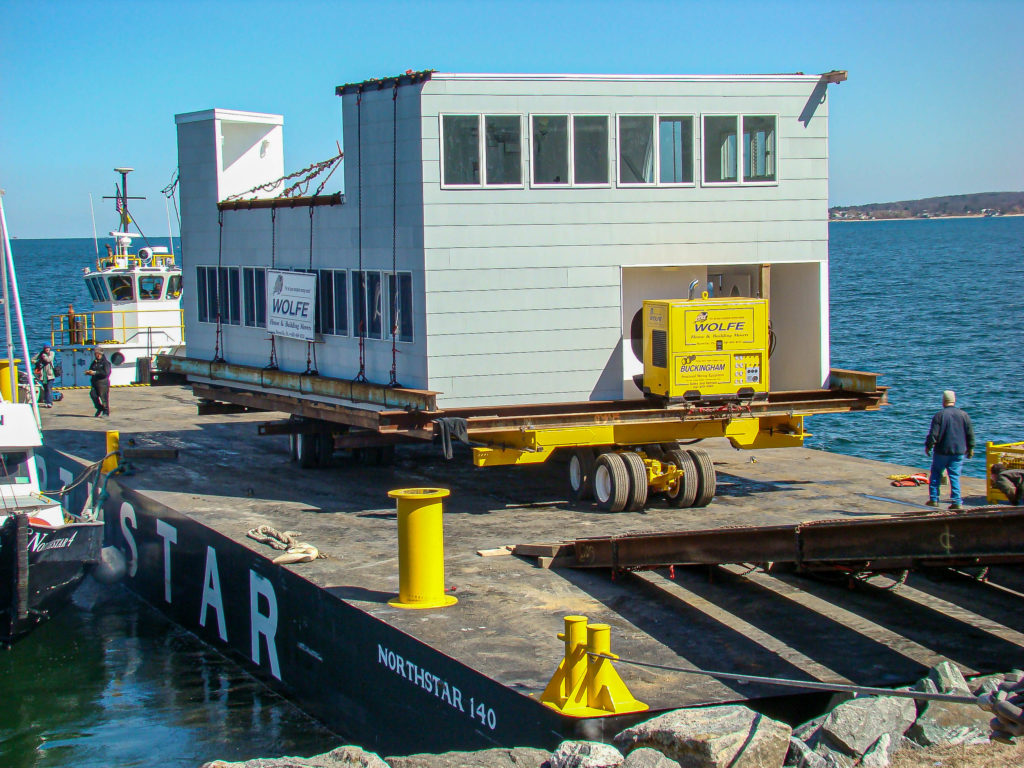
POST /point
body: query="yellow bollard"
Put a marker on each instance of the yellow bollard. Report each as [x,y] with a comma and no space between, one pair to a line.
[575,636]
[113,445]
[420,549]
[585,686]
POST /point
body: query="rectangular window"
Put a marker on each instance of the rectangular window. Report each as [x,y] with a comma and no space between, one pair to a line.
[340,302]
[207,292]
[461,141]
[636,149]
[759,148]
[590,149]
[375,305]
[230,300]
[400,305]
[675,150]
[359,304]
[90,284]
[254,297]
[261,298]
[723,151]
[325,301]
[249,296]
[550,149]
[720,149]
[234,297]
[504,150]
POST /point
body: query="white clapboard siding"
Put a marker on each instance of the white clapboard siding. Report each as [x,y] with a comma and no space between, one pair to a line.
[518,292]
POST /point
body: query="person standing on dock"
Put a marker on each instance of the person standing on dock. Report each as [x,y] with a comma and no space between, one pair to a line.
[44,373]
[100,389]
[951,437]
[1010,482]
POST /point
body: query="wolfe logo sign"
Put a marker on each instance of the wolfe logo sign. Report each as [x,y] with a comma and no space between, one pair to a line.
[291,304]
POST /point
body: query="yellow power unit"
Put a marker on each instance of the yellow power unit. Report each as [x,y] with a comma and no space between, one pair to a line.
[706,349]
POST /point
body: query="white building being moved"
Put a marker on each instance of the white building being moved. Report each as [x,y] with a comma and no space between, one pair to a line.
[498,234]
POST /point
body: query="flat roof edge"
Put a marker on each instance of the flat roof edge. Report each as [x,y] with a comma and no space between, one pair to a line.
[794,76]
[228,115]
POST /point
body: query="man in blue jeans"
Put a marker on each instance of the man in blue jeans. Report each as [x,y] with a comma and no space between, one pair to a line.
[951,437]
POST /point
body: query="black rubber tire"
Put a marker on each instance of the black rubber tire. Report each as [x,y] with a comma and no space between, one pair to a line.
[684,493]
[324,449]
[307,450]
[706,481]
[580,471]
[637,481]
[666,447]
[387,455]
[611,482]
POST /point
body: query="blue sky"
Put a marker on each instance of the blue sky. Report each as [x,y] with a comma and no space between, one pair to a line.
[934,104]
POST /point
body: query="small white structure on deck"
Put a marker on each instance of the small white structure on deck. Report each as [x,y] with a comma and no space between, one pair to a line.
[499,233]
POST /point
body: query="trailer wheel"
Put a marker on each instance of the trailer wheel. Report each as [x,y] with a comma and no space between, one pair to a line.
[706,482]
[684,492]
[611,482]
[324,449]
[637,481]
[581,474]
[306,446]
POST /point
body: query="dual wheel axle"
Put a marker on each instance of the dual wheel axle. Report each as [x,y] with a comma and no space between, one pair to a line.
[624,479]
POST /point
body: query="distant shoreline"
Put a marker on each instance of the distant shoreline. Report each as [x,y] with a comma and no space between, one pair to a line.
[926,218]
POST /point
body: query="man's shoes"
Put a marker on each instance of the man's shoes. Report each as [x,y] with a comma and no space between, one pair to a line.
[98,413]
[931,503]
[955,506]
[107,414]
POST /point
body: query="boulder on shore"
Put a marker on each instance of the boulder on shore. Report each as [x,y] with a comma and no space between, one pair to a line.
[517,757]
[712,737]
[341,757]
[585,754]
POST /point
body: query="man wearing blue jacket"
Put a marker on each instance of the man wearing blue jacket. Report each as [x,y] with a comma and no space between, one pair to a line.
[951,437]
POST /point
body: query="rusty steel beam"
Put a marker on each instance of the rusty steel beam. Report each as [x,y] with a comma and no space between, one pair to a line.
[251,378]
[975,537]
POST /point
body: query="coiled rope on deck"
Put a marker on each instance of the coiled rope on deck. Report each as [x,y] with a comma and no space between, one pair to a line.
[294,551]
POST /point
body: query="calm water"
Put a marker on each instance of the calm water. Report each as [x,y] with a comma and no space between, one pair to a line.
[930,304]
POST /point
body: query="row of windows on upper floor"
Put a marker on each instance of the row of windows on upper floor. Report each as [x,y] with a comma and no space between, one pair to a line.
[239,296]
[574,150]
[125,287]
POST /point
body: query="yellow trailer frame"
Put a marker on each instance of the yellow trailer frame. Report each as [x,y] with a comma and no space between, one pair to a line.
[536,445]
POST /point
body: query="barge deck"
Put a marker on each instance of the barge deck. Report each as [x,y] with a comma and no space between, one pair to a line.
[470,675]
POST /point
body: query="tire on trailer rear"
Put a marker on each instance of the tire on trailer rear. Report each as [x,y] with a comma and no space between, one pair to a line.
[611,482]
[684,492]
[637,499]
[706,481]
[581,474]
[306,446]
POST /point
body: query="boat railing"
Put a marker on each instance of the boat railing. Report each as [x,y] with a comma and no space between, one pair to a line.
[128,260]
[114,326]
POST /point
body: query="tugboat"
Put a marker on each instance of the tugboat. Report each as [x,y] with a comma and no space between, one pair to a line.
[44,551]
[136,309]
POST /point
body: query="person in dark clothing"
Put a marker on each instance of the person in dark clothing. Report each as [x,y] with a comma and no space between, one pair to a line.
[951,437]
[100,389]
[1010,482]
[44,373]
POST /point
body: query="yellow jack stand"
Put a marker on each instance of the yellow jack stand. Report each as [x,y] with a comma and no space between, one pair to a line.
[585,685]
[420,549]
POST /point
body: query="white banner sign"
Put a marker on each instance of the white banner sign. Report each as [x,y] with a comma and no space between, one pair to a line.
[291,304]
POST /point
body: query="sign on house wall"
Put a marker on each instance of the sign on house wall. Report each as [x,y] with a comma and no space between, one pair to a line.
[291,304]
